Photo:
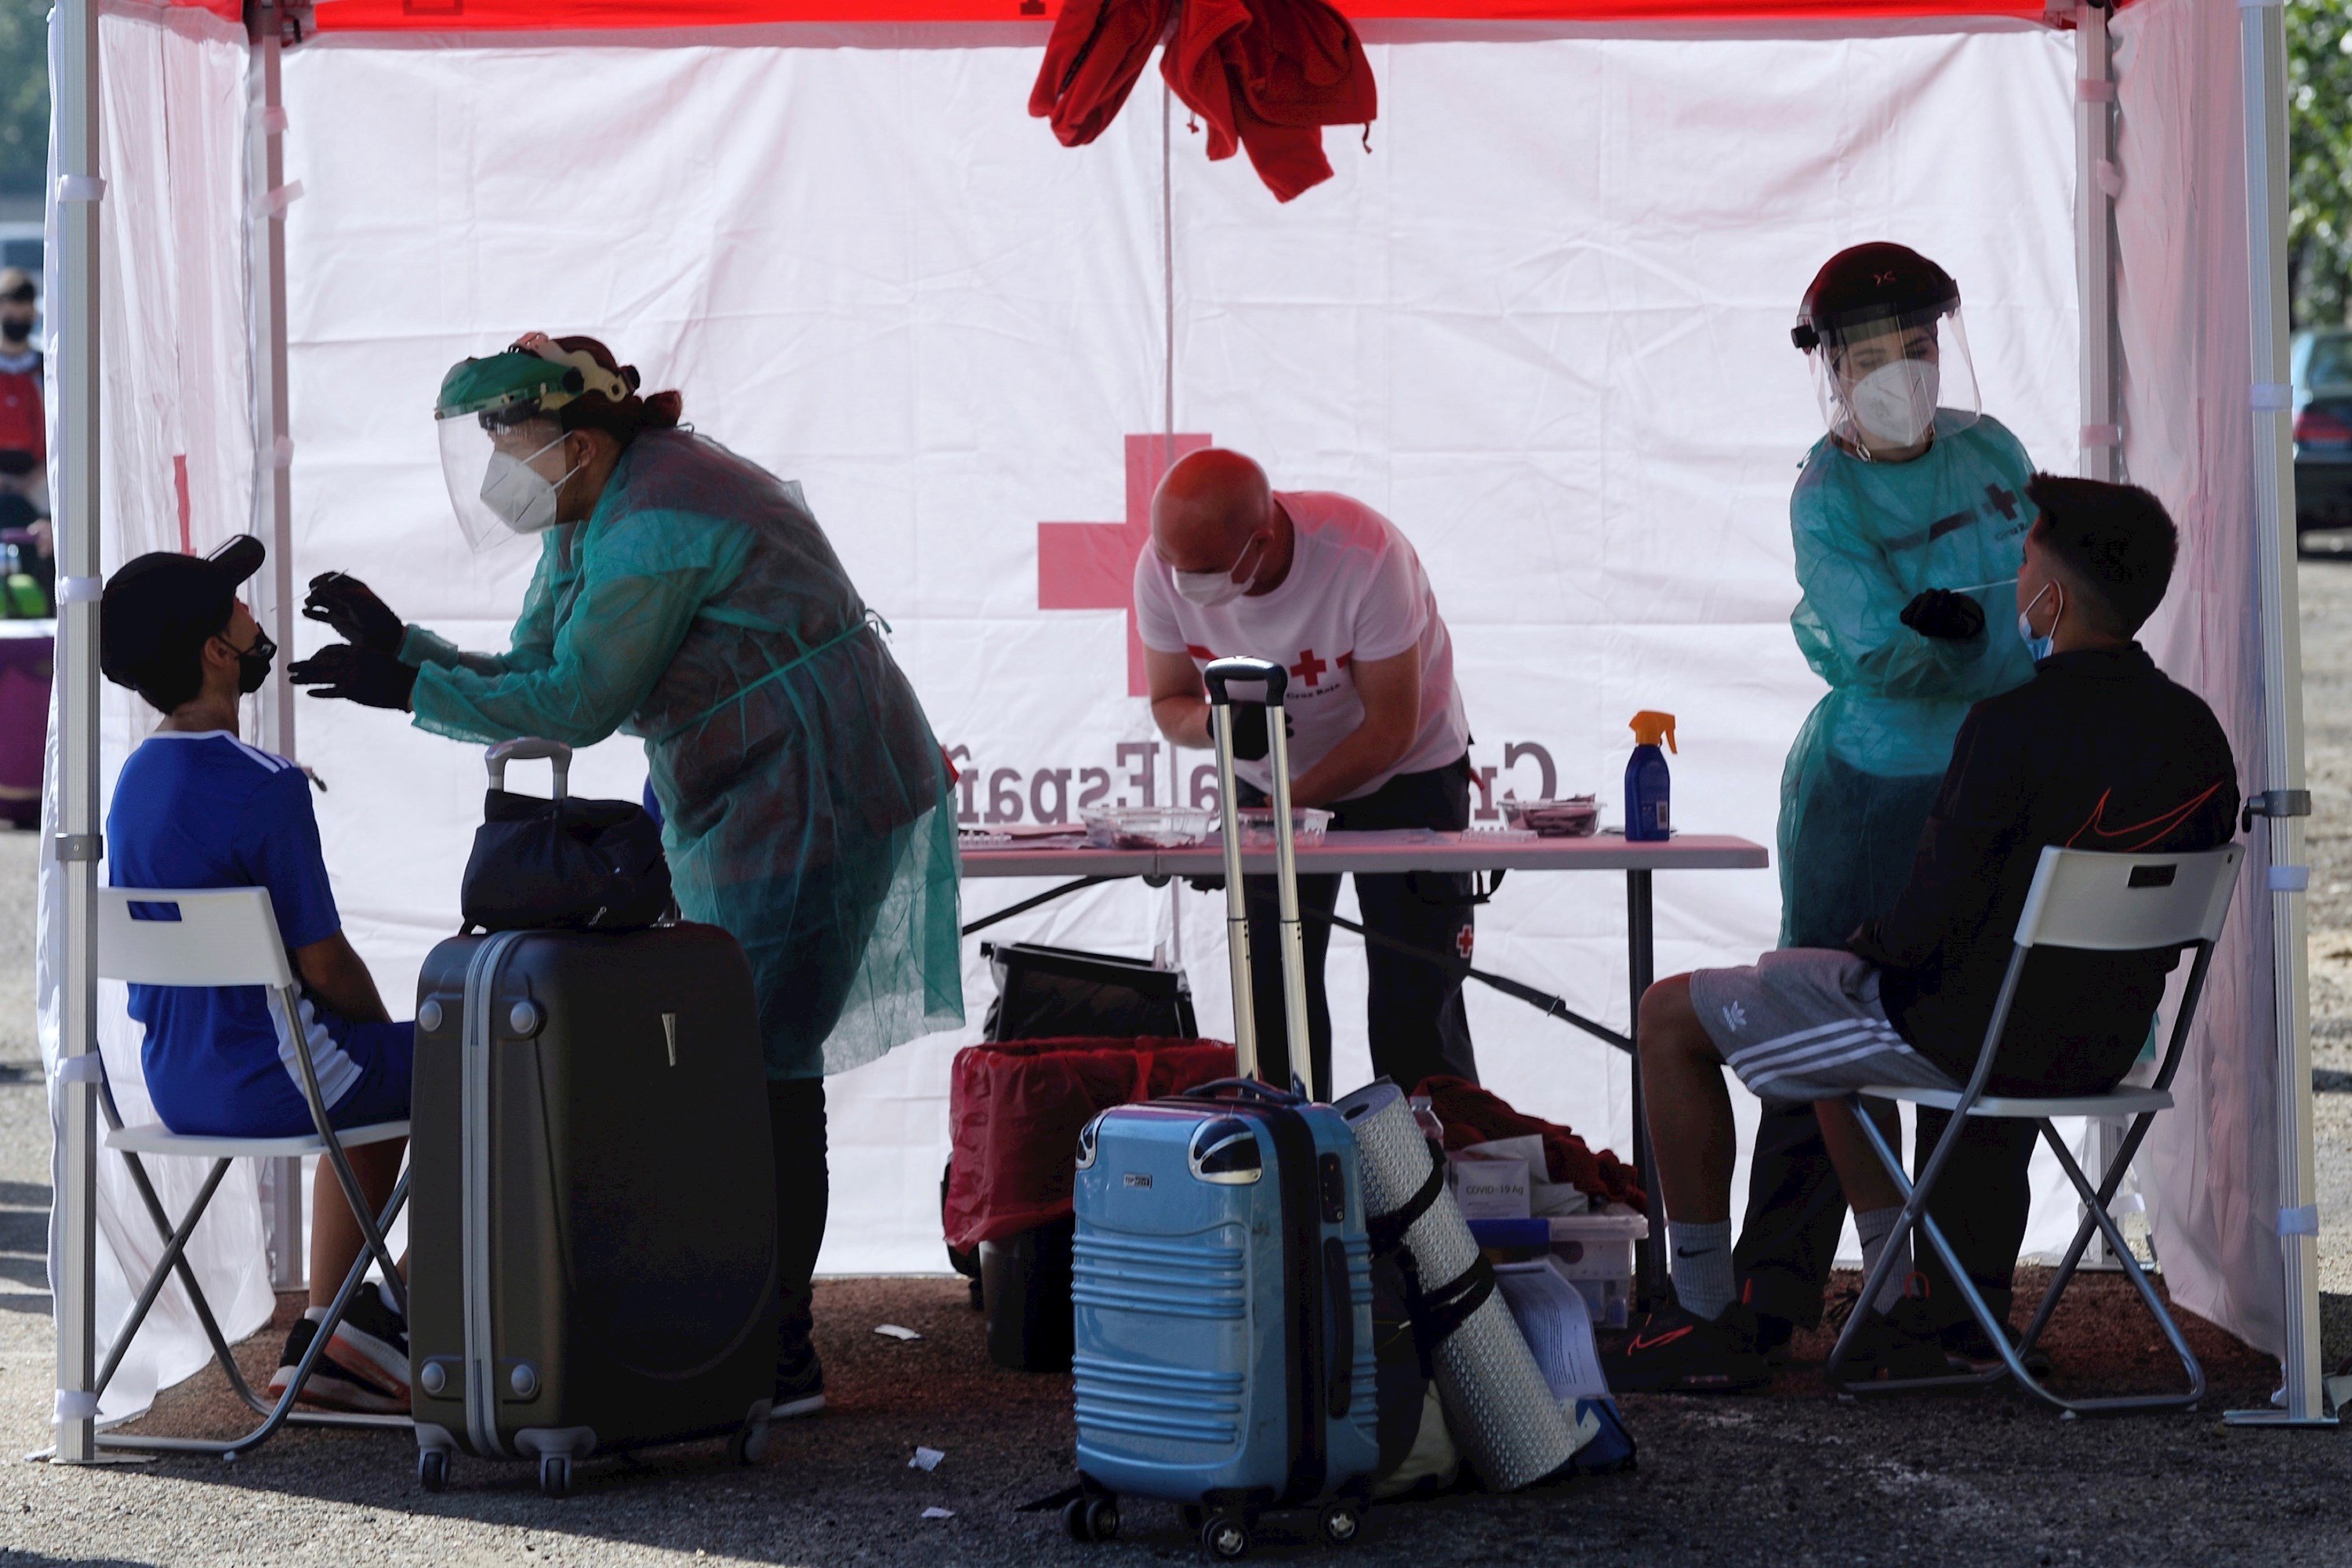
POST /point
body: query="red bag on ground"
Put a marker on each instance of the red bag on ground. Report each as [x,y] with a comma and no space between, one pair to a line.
[1014,1111]
[1474,1115]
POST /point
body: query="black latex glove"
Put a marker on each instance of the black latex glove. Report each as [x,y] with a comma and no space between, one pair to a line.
[362,675]
[352,610]
[1940,613]
[1250,742]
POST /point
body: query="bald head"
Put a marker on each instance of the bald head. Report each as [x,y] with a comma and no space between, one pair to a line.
[1207,508]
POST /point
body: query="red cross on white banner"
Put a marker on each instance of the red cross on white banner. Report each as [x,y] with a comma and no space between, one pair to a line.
[1091,566]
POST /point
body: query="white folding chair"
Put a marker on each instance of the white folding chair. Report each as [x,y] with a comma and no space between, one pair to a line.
[228,936]
[2104,903]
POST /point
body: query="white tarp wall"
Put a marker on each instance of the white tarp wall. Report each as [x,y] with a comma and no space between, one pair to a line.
[1543,325]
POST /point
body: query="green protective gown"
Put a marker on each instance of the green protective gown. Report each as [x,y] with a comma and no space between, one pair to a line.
[1865,770]
[807,810]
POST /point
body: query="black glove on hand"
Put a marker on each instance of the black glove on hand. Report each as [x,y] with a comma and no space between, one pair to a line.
[1250,742]
[362,675]
[351,609]
[1940,613]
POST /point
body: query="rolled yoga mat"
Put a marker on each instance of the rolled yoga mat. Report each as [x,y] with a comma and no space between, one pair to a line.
[1503,1414]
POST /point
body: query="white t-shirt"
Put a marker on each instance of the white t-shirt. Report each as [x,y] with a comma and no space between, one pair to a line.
[1355,590]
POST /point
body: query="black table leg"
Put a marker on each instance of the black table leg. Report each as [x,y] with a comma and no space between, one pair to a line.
[1641,962]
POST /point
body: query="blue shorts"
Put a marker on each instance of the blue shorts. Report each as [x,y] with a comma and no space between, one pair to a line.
[366,1065]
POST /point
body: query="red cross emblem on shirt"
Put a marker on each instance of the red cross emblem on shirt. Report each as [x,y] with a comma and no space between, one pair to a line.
[1091,566]
[1309,670]
[1464,940]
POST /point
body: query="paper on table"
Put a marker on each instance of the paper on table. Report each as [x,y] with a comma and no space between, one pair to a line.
[1552,1314]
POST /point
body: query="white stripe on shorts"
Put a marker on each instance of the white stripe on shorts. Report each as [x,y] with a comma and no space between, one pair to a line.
[1792,1050]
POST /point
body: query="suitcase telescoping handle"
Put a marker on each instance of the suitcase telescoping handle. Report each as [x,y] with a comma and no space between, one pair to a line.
[527,749]
[1276,681]
[1240,1089]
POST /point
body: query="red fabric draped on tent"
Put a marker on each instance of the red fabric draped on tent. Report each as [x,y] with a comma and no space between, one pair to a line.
[566,15]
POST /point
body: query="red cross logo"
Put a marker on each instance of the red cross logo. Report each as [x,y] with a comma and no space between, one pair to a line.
[1309,670]
[1091,566]
[1464,940]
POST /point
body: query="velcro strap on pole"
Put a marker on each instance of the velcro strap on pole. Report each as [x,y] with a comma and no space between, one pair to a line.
[2289,879]
[2304,1221]
[83,1067]
[79,590]
[77,1404]
[81,188]
[2270,397]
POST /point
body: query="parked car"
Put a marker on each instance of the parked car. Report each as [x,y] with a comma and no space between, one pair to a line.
[2322,367]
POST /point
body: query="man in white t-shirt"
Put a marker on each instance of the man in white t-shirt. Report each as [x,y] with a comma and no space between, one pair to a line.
[1328,588]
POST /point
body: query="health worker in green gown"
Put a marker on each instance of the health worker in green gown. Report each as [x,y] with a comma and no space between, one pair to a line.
[687,596]
[1909,518]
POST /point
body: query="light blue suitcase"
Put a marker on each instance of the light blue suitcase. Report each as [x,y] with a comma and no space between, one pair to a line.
[1223,1298]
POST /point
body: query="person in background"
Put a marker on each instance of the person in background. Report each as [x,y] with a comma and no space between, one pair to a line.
[1332,591]
[2098,751]
[688,596]
[197,807]
[24,433]
[1909,518]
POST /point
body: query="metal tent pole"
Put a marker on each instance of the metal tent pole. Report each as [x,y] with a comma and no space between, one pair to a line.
[74,274]
[273,503]
[2284,801]
[2100,449]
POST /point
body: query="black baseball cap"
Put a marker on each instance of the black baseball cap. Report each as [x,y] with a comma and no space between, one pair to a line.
[157,611]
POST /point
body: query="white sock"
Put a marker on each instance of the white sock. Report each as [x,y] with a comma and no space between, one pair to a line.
[383,1294]
[1875,1226]
[1702,1267]
[315,1314]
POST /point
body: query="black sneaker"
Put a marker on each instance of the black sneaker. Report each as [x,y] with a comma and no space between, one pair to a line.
[800,1383]
[371,1343]
[1896,1345]
[1675,1351]
[331,1385]
[1965,1342]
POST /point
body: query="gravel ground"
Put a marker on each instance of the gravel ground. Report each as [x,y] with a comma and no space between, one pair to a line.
[1792,1478]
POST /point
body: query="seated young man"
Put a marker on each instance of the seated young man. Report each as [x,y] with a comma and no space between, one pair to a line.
[2099,751]
[196,807]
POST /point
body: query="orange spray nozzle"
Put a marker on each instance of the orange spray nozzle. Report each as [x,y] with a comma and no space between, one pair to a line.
[1650,728]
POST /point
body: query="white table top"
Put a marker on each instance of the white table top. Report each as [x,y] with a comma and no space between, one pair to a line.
[1406,850]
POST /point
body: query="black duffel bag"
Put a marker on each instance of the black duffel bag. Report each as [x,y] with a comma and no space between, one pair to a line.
[562,863]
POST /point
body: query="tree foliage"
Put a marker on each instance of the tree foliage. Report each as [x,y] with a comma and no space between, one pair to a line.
[23,97]
[2319,160]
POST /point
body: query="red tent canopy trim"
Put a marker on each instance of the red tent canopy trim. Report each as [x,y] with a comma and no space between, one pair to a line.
[594,16]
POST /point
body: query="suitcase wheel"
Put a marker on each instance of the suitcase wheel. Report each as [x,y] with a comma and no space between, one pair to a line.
[555,1475]
[432,1469]
[749,1443]
[1342,1521]
[1092,1517]
[1225,1537]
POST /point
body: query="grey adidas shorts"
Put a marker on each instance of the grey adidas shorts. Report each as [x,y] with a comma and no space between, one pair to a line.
[1805,1023]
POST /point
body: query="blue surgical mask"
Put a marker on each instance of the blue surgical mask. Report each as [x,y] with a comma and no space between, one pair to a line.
[2038,646]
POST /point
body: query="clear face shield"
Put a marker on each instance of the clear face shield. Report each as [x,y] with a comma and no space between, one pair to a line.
[1887,381]
[504,469]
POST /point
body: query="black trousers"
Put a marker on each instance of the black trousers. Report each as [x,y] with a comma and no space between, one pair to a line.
[1796,1206]
[1415,1009]
[796,1116]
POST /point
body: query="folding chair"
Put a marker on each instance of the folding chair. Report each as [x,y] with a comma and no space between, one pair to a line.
[229,937]
[2108,903]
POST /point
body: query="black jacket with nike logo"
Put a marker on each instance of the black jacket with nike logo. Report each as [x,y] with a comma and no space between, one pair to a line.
[2099,751]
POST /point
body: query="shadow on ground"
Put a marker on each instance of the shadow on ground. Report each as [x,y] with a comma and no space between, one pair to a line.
[1794,1474]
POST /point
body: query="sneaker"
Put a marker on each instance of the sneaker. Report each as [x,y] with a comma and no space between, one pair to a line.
[1675,1351]
[371,1343]
[1965,1342]
[800,1383]
[1897,1345]
[331,1385]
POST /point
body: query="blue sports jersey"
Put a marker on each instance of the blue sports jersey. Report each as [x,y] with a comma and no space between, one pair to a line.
[208,811]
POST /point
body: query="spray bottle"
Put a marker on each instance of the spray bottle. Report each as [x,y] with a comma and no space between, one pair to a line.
[1648,817]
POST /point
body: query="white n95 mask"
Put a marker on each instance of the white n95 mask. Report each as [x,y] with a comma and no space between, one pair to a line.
[1209,589]
[1896,404]
[523,497]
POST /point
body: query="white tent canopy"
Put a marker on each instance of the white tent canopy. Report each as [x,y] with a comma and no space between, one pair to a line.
[1542,323]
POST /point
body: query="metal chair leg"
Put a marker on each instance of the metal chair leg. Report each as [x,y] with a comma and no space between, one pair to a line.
[282,1412]
[203,1308]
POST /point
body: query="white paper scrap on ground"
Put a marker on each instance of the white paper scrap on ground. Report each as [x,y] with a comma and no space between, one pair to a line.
[926,1459]
[939,1513]
[1551,1314]
[896,1332]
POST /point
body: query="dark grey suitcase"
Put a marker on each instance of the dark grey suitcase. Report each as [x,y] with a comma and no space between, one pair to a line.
[594,1256]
